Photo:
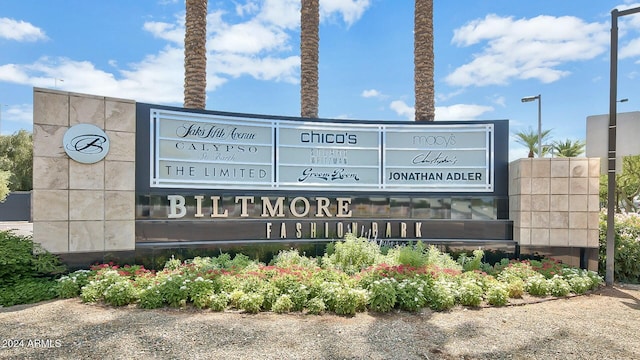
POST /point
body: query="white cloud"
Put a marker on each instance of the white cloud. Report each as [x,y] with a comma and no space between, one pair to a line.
[500,100]
[461,112]
[371,93]
[20,30]
[249,38]
[166,31]
[256,43]
[17,113]
[453,112]
[525,48]
[283,14]
[402,109]
[350,10]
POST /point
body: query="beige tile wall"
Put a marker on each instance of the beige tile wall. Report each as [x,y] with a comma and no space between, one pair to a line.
[83,207]
[554,201]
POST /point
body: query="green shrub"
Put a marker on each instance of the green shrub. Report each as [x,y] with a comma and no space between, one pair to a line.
[349,301]
[199,290]
[251,303]
[27,291]
[515,287]
[21,258]
[411,294]
[283,304]
[174,290]
[218,302]
[315,306]
[537,285]
[270,294]
[150,298]
[69,286]
[94,290]
[471,263]
[442,295]
[289,258]
[120,293]
[558,286]
[627,246]
[411,255]
[469,292]
[353,254]
[382,295]
[441,260]
[497,293]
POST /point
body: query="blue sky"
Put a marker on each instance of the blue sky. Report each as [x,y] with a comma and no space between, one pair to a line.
[488,55]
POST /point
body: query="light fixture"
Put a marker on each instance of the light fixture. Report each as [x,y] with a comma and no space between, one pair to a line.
[539,98]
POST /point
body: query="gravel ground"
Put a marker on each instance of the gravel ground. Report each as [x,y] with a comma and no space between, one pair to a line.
[602,325]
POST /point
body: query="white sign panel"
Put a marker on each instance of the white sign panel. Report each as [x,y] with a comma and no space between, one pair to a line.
[190,150]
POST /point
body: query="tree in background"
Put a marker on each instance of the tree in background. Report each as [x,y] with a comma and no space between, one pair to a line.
[195,54]
[16,158]
[4,184]
[529,139]
[425,109]
[309,57]
[568,148]
[627,185]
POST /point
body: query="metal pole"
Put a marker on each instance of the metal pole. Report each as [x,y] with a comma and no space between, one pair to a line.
[611,156]
[539,125]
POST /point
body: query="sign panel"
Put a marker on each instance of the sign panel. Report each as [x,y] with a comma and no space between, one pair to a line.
[203,151]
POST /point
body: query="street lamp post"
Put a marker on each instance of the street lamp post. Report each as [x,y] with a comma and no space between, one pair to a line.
[611,157]
[539,98]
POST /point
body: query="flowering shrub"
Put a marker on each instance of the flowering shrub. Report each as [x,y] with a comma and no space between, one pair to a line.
[558,286]
[627,246]
[382,295]
[581,281]
[120,293]
[218,302]
[537,285]
[315,306]
[348,301]
[411,294]
[283,304]
[173,290]
[69,285]
[150,298]
[295,284]
[94,290]
[288,258]
[251,303]
[497,294]
[353,254]
[547,267]
[469,292]
[442,295]
[199,291]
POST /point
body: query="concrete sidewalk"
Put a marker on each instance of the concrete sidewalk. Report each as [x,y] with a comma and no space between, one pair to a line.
[23,228]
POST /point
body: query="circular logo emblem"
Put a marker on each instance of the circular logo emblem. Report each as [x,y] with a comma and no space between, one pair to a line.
[86,143]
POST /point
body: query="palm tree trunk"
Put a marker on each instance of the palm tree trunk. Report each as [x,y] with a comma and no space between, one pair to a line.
[195,55]
[309,43]
[423,61]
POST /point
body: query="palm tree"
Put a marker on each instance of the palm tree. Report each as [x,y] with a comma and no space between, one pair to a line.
[195,54]
[423,60]
[309,40]
[530,140]
[568,148]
